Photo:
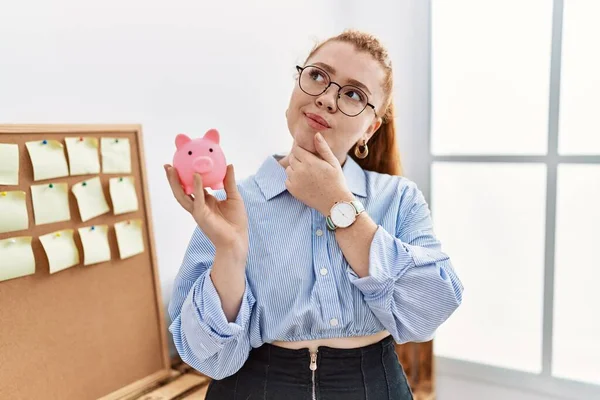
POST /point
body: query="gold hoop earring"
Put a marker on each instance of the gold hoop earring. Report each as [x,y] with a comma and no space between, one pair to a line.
[362,154]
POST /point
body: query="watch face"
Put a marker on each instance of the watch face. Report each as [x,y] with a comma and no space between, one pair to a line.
[343,214]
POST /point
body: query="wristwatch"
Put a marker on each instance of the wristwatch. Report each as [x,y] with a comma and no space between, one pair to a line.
[343,214]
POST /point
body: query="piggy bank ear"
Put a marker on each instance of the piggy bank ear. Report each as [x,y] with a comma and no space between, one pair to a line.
[212,135]
[181,139]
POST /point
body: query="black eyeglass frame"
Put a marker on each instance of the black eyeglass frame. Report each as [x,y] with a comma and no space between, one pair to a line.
[301,69]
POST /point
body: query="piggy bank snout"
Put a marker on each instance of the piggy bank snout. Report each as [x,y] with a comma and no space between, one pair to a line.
[203,164]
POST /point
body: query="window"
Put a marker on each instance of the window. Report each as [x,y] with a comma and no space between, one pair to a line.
[515,189]
[576,334]
[501,262]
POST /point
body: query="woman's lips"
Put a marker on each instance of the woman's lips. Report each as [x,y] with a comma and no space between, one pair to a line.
[316,122]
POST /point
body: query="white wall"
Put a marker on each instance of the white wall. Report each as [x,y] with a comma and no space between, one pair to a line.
[183,66]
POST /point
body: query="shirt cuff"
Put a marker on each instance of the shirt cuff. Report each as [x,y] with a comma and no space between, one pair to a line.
[389,259]
[202,315]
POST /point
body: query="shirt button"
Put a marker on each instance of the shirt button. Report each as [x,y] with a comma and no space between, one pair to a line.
[333,322]
[323,271]
[319,232]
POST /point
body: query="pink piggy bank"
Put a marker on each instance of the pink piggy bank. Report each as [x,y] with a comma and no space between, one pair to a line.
[202,155]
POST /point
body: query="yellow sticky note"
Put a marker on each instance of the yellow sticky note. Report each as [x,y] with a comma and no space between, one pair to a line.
[9,164]
[123,194]
[60,249]
[16,258]
[130,237]
[90,198]
[95,244]
[48,159]
[50,203]
[13,211]
[83,155]
[116,155]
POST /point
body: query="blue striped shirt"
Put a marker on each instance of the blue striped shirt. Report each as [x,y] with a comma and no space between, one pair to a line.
[299,286]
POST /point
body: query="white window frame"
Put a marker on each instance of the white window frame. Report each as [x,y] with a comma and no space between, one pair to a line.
[543,383]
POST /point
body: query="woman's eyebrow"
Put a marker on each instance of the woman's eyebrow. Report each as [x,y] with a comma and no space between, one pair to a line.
[353,82]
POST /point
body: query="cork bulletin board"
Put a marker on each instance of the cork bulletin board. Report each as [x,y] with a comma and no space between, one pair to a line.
[80,306]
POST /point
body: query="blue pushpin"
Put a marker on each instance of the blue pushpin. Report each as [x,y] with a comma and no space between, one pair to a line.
[45,141]
[93,227]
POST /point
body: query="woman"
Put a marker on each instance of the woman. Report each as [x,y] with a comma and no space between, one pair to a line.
[300,278]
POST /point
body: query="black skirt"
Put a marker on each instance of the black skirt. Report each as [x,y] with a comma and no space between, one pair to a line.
[371,372]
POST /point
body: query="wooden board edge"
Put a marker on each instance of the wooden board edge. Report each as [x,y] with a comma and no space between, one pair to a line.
[433,371]
[68,128]
[140,385]
[150,230]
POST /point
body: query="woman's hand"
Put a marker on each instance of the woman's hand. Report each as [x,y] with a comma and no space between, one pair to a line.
[224,222]
[316,181]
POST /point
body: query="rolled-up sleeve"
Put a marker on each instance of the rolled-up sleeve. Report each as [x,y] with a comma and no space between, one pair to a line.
[202,335]
[412,287]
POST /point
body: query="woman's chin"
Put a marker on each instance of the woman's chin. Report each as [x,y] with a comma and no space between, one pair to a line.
[305,142]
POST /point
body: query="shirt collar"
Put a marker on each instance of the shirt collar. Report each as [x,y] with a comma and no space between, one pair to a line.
[271,177]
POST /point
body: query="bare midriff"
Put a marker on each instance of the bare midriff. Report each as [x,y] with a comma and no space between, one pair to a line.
[338,343]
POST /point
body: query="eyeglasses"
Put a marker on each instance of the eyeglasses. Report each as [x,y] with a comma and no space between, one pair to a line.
[350,100]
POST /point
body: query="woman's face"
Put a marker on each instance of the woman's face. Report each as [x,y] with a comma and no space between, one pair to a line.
[345,66]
